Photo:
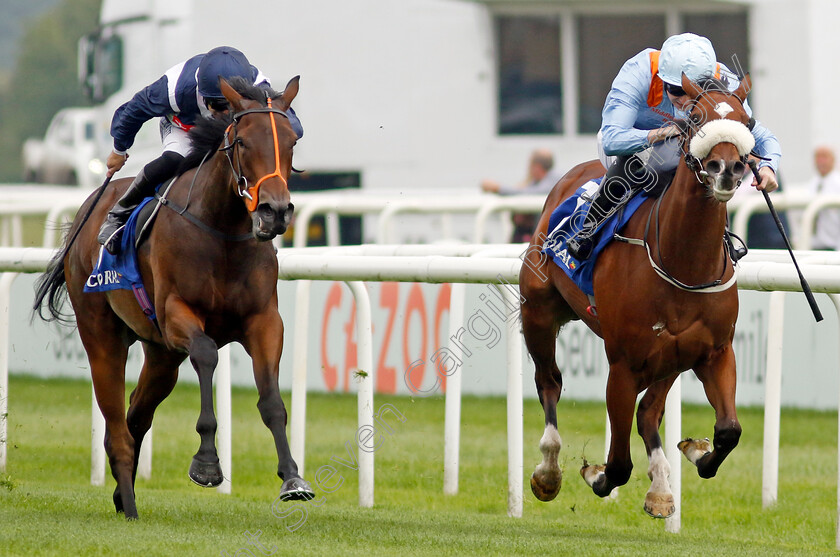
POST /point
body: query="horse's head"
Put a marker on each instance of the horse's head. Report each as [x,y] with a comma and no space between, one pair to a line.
[259,144]
[719,137]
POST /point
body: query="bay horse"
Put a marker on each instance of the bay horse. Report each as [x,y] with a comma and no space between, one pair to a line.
[211,274]
[654,326]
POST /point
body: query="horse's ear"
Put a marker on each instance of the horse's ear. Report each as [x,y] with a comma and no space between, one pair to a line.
[290,92]
[234,98]
[690,87]
[744,88]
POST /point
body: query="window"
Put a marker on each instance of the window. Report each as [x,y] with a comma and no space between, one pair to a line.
[532,50]
[606,42]
[529,75]
[728,33]
[101,65]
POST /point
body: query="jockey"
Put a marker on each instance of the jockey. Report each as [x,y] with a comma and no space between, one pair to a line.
[183,94]
[638,136]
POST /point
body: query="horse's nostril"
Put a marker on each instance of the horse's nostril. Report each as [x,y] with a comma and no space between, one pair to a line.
[714,167]
[265,211]
[737,168]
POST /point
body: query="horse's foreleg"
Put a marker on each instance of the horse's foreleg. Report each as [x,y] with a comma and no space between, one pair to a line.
[621,400]
[540,326]
[659,501]
[157,379]
[718,377]
[205,469]
[183,330]
[264,342]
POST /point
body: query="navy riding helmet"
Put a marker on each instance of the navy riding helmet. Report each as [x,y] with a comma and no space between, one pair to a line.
[224,61]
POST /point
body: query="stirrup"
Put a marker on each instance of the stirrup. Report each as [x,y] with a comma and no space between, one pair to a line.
[736,245]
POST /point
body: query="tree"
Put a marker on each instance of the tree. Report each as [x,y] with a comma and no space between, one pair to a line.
[44,79]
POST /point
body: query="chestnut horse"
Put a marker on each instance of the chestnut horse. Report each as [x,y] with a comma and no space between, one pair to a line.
[211,274]
[654,325]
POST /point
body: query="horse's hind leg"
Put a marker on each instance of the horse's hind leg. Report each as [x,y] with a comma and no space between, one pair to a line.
[659,501]
[543,312]
[718,377]
[107,354]
[157,379]
[264,342]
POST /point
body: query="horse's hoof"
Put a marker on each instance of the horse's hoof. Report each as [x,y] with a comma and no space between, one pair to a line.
[546,485]
[296,489]
[591,472]
[660,505]
[206,474]
[694,449]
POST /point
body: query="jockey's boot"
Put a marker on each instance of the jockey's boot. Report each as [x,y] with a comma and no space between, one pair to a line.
[111,230]
[614,188]
[627,175]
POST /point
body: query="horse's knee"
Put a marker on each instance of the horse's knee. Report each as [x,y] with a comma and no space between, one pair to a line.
[204,354]
[272,410]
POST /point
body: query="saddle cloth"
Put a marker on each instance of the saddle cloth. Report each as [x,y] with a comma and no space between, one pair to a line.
[121,271]
[566,220]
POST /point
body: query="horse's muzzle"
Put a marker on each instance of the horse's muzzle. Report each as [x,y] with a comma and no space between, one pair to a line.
[724,177]
[271,220]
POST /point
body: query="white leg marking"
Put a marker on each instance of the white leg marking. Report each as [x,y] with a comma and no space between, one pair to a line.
[659,501]
[659,471]
[547,477]
[550,444]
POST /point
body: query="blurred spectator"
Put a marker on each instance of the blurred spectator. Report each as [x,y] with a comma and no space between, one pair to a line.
[539,181]
[827,181]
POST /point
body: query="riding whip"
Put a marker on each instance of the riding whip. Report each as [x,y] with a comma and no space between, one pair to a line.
[805,288]
[87,216]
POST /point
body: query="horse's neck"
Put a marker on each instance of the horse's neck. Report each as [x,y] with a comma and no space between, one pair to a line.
[691,223]
[213,200]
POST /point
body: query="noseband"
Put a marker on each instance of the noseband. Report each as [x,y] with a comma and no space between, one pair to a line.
[251,193]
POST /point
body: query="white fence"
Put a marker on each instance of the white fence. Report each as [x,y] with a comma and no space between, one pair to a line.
[58,204]
[458,264]
[487,265]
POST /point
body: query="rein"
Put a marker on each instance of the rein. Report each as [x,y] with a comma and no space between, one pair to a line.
[182,211]
[251,193]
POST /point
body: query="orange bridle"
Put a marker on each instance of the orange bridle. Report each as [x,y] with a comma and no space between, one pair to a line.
[251,193]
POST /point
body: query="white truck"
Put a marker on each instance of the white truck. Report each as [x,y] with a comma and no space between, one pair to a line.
[68,153]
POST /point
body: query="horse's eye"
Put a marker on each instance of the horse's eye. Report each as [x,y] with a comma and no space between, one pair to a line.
[240,142]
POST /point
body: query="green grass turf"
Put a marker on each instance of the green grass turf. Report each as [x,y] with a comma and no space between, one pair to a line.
[48,507]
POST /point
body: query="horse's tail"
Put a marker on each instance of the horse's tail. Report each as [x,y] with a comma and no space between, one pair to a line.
[51,286]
